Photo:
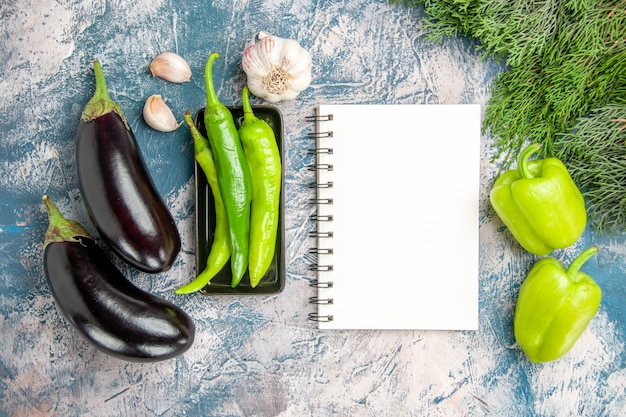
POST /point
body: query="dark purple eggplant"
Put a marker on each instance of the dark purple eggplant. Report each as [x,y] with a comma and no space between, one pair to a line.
[105,308]
[119,194]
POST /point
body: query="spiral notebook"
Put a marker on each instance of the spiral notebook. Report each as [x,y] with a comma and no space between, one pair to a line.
[397,196]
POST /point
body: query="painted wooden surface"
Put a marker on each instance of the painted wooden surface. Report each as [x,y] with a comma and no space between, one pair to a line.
[260,356]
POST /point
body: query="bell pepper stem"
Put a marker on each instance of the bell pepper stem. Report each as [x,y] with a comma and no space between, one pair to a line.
[522,163]
[211,95]
[577,263]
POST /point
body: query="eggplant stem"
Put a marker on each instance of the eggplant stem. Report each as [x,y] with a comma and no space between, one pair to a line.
[101,103]
[60,228]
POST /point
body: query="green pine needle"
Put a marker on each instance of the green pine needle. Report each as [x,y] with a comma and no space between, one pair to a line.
[564,59]
[596,153]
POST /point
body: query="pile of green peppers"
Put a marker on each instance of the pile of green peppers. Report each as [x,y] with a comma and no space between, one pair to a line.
[544,210]
[244,171]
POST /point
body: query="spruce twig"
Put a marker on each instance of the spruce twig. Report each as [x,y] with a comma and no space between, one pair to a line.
[596,153]
[564,59]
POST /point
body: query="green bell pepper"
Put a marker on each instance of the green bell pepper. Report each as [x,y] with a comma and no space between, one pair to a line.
[540,204]
[554,307]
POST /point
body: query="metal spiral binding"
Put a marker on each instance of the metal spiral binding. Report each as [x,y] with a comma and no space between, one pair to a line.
[320,317]
[328,184]
[321,201]
[321,284]
[323,251]
[317,151]
[319,117]
[321,218]
[317,300]
[317,234]
[328,134]
[318,166]
[322,268]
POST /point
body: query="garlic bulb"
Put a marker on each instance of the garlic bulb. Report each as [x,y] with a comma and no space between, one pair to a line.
[171,67]
[158,115]
[277,68]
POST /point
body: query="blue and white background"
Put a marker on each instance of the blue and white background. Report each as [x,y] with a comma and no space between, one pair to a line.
[260,356]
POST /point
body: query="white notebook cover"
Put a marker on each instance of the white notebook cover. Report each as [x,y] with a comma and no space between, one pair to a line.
[405,197]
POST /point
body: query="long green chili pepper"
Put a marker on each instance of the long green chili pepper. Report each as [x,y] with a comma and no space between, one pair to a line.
[220,248]
[261,150]
[233,173]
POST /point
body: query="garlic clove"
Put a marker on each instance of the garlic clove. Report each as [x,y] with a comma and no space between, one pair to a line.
[170,67]
[294,58]
[302,81]
[277,69]
[158,115]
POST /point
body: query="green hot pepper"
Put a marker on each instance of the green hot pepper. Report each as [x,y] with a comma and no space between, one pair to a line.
[220,247]
[233,173]
[554,307]
[540,204]
[262,154]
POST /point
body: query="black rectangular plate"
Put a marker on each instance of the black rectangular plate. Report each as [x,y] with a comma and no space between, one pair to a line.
[274,279]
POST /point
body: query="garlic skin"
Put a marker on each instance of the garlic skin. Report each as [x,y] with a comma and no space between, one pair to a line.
[170,67]
[158,115]
[277,69]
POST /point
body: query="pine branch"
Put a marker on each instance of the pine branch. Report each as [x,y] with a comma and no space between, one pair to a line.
[595,151]
[565,58]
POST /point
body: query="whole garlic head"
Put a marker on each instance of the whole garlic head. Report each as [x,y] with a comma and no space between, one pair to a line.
[158,115]
[277,68]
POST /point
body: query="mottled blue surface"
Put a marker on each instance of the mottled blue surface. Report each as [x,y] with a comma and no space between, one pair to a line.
[259,356]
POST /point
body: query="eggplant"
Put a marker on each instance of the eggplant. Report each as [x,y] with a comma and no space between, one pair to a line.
[119,194]
[104,307]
